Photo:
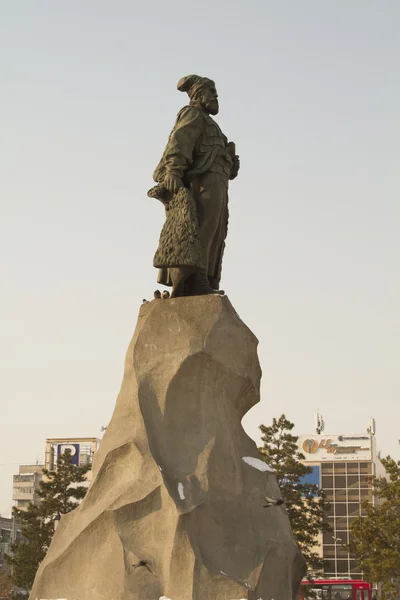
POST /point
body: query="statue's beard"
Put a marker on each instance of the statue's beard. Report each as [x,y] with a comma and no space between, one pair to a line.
[211,106]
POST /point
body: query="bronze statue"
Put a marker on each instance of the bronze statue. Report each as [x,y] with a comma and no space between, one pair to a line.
[192,183]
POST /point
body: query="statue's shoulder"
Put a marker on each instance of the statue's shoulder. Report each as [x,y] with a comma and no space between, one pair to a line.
[190,114]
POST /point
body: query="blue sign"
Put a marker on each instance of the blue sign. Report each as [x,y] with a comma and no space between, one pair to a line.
[74,450]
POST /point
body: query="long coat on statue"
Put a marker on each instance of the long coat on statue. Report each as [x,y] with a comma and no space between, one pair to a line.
[198,153]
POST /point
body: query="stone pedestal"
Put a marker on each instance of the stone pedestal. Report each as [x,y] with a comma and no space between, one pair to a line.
[175,508]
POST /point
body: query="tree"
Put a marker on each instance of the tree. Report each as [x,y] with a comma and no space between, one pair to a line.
[305,502]
[59,495]
[5,585]
[28,553]
[375,537]
[58,490]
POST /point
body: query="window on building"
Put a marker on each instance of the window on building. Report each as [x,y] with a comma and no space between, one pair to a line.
[329,551]
[354,509]
[327,482]
[353,495]
[340,481]
[366,468]
[340,495]
[341,552]
[329,567]
[327,538]
[340,509]
[340,468]
[342,536]
[353,468]
[327,468]
[353,481]
[342,567]
[340,523]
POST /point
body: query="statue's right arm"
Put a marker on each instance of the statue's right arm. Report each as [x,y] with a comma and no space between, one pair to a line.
[178,155]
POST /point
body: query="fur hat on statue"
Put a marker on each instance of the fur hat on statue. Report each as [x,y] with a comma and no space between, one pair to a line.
[192,84]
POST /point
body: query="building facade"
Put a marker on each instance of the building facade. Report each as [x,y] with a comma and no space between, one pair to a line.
[26,485]
[342,466]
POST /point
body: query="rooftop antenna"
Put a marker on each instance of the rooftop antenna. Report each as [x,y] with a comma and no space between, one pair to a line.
[319,423]
[372,426]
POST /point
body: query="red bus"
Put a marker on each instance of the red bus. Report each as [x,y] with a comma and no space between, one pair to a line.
[336,589]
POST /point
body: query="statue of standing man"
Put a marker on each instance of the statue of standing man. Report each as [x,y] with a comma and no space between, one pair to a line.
[192,183]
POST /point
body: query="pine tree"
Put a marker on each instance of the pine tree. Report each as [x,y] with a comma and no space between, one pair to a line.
[305,502]
[58,490]
[375,537]
[59,495]
[28,554]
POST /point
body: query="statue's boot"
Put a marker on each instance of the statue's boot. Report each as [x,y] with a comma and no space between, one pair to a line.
[202,286]
[178,277]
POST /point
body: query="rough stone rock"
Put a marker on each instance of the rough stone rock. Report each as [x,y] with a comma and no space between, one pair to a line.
[175,508]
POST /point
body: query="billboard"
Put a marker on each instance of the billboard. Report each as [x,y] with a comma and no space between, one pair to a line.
[335,447]
[74,449]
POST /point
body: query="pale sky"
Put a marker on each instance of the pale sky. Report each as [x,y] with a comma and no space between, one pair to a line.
[309,92]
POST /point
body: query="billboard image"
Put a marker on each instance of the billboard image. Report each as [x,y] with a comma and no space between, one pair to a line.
[335,447]
[74,449]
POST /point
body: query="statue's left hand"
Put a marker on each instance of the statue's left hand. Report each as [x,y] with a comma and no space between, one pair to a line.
[235,167]
[172,183]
